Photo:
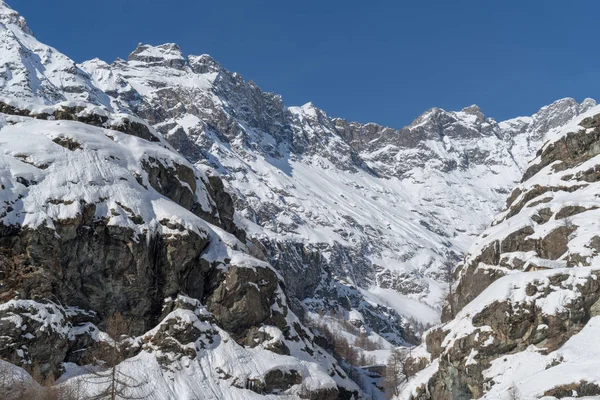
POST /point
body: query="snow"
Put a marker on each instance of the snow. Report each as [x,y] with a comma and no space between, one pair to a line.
[168,51]
[11,376]
[534,373]
[562,192]
[408,219]
[50,316]
[349,197]
[419,380]
[100,172]
[406,210]
[403,305]
[530,371]
[219,371]
[405,225]
[38,73]
[512,289]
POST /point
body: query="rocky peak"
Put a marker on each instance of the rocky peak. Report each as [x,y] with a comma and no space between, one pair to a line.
[33,72]
[308,110]
[204,64]
[559,113]
[476,111]
[12,17]
[587,104]
[428,115]
[95,63]
[168,55]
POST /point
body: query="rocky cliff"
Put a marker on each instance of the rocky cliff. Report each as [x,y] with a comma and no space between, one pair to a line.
[527,294]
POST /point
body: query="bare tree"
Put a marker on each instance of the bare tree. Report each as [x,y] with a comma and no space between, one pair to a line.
[73,390]
[394,372]
[45,390]
[408,372]
[115,383]
[449,278]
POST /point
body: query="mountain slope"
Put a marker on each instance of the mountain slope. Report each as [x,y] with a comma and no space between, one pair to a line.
[527,296]
[222,223]
[378,211]
[36,73]
[101,218]
[96,221]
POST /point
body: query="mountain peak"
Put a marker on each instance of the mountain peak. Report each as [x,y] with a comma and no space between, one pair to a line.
[588,103]
[560,104]
[311,109]
[204,63]
[8,16]
[474,110]
[168,54]
[560,112]
[426,116]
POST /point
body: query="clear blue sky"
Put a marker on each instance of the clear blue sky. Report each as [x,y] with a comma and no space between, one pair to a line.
[381,61]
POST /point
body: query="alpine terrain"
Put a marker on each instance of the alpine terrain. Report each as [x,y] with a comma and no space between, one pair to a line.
[526,302]
[170,231]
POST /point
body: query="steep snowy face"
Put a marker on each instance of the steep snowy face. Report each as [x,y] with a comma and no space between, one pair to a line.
[96,221]
[549,219]
[359,207]
[34,73]
[101,217]
[53,167]
[528,287]
[377,210]
[539,124]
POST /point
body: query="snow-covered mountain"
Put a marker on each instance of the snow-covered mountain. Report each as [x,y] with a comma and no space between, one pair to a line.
[339,208]
[527,297]
[220,221]
[36,73]
[97,221]
[101,218]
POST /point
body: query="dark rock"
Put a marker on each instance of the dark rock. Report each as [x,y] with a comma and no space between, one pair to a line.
[243,299]
[582,388]
[277,381]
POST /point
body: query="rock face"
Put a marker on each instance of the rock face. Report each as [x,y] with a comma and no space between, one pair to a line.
[527,296]
[538,227]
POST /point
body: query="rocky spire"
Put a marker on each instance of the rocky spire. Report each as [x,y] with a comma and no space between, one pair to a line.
[559,113]
[168,54]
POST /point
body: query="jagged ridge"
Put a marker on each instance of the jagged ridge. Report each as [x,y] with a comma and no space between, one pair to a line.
[527,294]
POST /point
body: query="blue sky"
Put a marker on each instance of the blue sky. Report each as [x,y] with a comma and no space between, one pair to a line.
[381,61]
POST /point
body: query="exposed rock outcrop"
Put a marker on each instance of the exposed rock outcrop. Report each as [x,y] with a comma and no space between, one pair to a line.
[527,295]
